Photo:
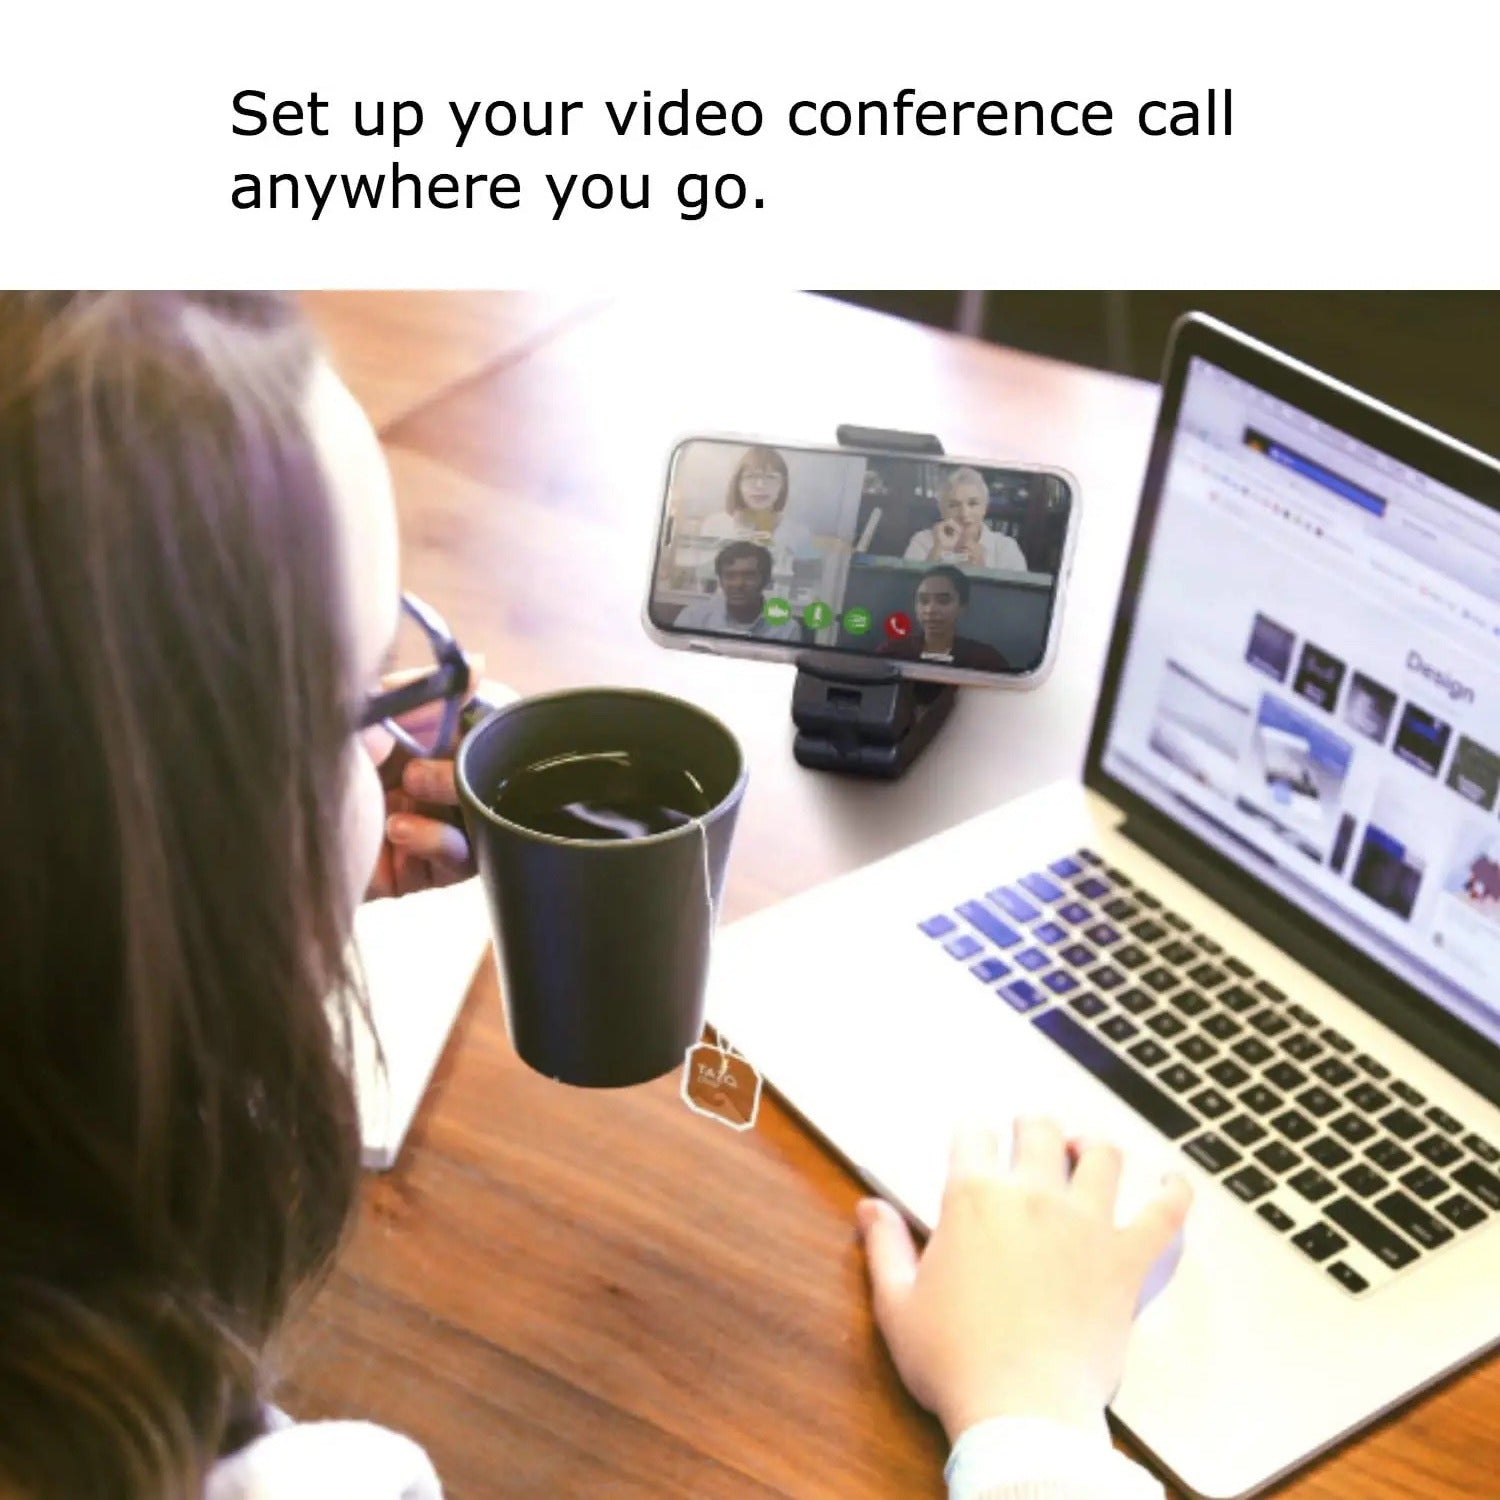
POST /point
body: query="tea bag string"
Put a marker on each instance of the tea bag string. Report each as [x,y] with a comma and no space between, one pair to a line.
[713,916]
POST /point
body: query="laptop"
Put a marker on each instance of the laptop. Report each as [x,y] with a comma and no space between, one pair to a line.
[1257,942]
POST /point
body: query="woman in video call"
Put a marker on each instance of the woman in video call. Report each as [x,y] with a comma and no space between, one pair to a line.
[755,510]
[942,595]
[961,535]
[198,584]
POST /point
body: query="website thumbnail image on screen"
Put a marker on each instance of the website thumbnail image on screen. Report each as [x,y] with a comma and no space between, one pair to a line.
[1312,677]
[912,558]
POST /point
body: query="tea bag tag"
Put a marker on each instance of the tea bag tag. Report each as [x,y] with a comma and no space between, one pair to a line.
[719,1083]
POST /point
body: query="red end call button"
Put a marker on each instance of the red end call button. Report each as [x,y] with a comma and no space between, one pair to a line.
[898,626]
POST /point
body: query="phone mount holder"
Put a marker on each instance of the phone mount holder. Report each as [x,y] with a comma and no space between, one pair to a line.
[863,717]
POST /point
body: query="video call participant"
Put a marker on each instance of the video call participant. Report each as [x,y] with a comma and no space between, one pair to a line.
[744,573]
[961,536]
[942,594]
[755,509]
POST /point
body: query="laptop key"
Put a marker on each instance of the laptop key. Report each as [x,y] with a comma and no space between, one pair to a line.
[1252,1050]
[1424,1182]
[1285,1077]
[1075,912]
[1443,1120]
[1301,1046]
[1189,1002]
[1013,903]
[1243,1129]
[1276,1156]
[1381,1241]
[1317,1102]
[1210,1103]
[1402,1124]
[1059,981]
[1021,994]
[1238,999]
[1372,1066]
[1179,1077]
[1347,1277]
[1461,1211]
[1221,1026]
[1092,886]
[1131,956]
[1265,988]
[1049,932]
[1269,1022]
[1178,924]
[1388,1156]
[1365,1181]
[1260,1099]
[1196,1049]
[1148,931]
[1119,877]
[1118,1029]
[1274,1217]
[1033,959]
[1303,1014]
[1482,1148]
[1106,977]
[1238,967]
[1065,867]
[1311,1184]
[1249,1183]
[1159,979]
[1406,1093]
[1089,1004]
[1227,1073]
[1336,1039]
[1294,1126]
[1080,955]
[1481,1182]
[1207,976]
[1439,1150]
[1328,1152]
[1134,1000]
[1411,1217]
[938,926]
[1088,857]
[1128,1083]
[988,970]
[1208,944]
[982,919]
[1176,953]
[1333,1072]
[1149,1053]
[1042,887]
[1318,1241]
[963,946]
[1150,902]
[1353,1128]
[1102,934]
[1368,1098]
[1211,1152]
[1120,909]
[1165,1024]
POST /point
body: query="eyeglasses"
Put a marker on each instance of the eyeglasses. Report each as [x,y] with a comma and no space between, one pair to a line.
[446,683]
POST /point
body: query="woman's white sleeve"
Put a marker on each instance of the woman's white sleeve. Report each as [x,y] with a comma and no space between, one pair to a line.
[326,1461]
[1035,1458]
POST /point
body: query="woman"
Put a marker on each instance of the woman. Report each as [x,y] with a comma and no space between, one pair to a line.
[198,583]
[961,535]
[942,596]
[755,510]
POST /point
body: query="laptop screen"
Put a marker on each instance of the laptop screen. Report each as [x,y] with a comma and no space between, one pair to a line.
[1311,681]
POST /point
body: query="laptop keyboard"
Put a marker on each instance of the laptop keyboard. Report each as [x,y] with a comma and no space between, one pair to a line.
[1346,1162]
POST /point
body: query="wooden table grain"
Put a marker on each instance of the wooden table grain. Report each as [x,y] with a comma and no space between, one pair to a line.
[562,1292]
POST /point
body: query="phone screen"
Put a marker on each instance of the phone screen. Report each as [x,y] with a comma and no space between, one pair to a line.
[913,558]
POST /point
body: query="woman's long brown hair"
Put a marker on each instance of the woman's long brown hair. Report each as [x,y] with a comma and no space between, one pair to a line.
[178,1147]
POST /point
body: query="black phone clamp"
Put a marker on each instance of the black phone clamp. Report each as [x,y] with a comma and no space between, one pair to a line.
[863,717]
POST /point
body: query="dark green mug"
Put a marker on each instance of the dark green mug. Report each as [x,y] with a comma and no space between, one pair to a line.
[602,944]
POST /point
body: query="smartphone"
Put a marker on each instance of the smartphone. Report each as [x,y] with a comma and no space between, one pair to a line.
[952,568]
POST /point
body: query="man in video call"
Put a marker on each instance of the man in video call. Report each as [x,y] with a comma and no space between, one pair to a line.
[744,573]
[942,593]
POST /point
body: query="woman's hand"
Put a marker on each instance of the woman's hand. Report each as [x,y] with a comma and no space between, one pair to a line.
[1022,1302]
[424,845]
[947,536]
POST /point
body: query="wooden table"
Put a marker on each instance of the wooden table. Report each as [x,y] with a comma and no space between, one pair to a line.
[562,1292]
